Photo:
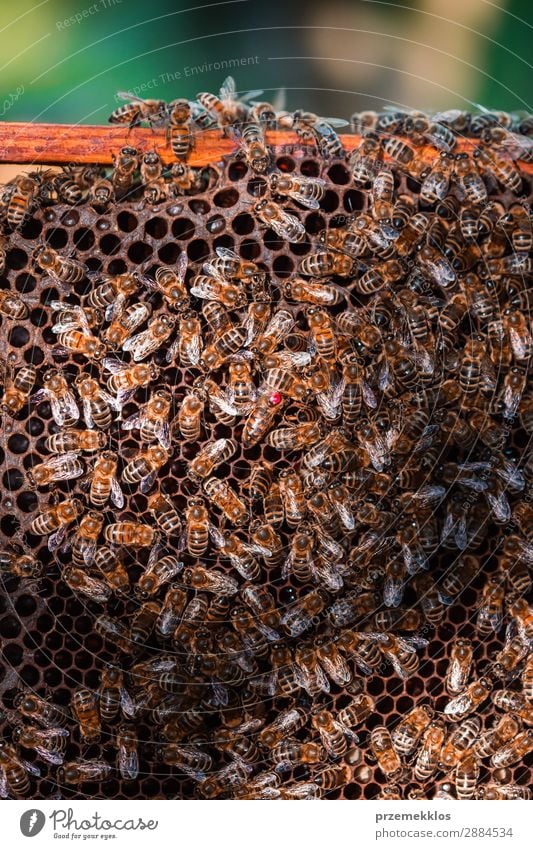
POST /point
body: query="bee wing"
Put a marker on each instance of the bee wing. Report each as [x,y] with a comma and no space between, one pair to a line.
[86,406]
[228,90]
[148,482]
[345,515]
[500,506]
[310,203]
[287,220]
[327,575]
[172,350]
[163,435]
[337,669]
[223,403]
[226,253]
[114,365]
[29,767]
[128,763]
[368,395]
[117,496]
[114,309]
[181,266]
[216,537]
[520,343]
[88,557]
[193,349]
[133,422]
[55,540]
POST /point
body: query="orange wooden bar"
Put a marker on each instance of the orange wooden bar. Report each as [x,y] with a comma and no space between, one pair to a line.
[79,143]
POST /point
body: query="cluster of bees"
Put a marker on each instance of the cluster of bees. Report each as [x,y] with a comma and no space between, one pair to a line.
[369,401]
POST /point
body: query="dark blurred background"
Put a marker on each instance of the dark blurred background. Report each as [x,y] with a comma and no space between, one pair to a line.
[64,60]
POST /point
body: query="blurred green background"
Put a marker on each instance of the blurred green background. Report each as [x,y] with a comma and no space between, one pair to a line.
[64,60]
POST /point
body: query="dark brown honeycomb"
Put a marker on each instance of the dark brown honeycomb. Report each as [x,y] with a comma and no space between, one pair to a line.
[47,633]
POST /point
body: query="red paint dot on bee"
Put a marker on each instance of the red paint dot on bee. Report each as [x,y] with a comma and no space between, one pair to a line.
[275,399]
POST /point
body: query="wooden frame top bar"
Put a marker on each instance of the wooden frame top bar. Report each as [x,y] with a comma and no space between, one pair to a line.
[58,144]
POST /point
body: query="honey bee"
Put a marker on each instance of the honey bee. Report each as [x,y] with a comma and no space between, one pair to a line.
[514,385]
[19,565]
[503,730]
[320,130]
[144,467]
[514,750]
[136,110]
[252,146]
[379,276]
[515,703]
[125,321]
[97,404]
[104,484]
[409,730]
[20,198]
[237,552]
[61,269]
[171,610]
[102,193]
[14,773]
[76,440]
[210,456]
[504,170]
[131,534]
[113,696]
[142,344]
[82,343]
[159,571]
[125,165]
[113,631]
[80,582]
[469,700]
[127,754]
[222,346]
[210,580]
[49,743]
[152,419]
[84,704]
[62,402]
[215,288]
[226,109]
[291,753]
[196,529]
[504,791]
[179,117]
[37,709]
[435,185]
[459,666]
[458,742]
[165,514]
[80,771]
[490,614]
[241,391]
[226,500]
[143,623]
[427,757]
[61,467]
[17,389]
[228,778]
[386,756]
[308,191]
[365,160]
[125,379]
[261,417]
[466,776]
[298,618]
[171,283]
[111,294]
[70,317]
[12,305]
[83,542]
[328,262]
[190,415]
[332,734]
[55,520]
[284,224]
